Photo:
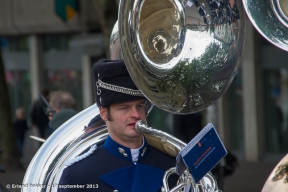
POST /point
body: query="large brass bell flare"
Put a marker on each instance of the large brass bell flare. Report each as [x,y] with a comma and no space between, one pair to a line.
[182,55]
[270,18]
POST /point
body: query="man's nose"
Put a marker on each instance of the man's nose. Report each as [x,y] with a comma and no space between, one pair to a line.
[135,112]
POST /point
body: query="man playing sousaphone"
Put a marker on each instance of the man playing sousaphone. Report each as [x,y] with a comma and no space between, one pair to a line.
[125,162]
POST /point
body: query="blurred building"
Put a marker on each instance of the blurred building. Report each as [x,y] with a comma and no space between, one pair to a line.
[53,44]
[49,44]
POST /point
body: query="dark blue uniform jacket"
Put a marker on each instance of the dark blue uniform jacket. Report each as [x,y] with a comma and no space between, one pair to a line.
[108,169]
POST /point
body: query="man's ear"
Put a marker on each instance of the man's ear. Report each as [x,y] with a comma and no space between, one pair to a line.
[103,113]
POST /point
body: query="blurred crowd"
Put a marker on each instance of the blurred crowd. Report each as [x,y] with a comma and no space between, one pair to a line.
[45,115]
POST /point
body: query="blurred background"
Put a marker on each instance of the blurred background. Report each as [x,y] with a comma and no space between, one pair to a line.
[52,45]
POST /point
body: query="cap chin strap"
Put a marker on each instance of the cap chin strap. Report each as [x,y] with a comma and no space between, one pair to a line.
[116,88]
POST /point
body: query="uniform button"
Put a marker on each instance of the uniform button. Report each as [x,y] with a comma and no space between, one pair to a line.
[122,152]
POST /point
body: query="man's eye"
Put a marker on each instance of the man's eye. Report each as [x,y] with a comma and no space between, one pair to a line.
[123,108]
[140,106]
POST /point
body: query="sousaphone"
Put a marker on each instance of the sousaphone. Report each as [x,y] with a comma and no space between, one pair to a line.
[270,18]
[182,55]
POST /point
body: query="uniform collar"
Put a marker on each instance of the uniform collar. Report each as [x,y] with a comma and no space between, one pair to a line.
[124,152]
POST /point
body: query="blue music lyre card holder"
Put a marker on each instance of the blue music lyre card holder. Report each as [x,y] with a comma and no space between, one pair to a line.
[201,154]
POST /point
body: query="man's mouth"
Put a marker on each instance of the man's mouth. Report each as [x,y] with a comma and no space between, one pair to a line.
[132,124]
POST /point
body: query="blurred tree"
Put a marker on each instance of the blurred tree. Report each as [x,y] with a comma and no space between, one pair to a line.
[107,12]
[9,157]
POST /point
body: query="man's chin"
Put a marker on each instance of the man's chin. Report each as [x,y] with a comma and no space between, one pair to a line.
[135,134]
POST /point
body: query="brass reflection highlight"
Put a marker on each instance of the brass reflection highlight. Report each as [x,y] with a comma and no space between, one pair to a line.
[282,171]
[284,7]
[157,29]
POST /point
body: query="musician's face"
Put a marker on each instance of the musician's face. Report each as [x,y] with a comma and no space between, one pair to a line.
[121,118]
